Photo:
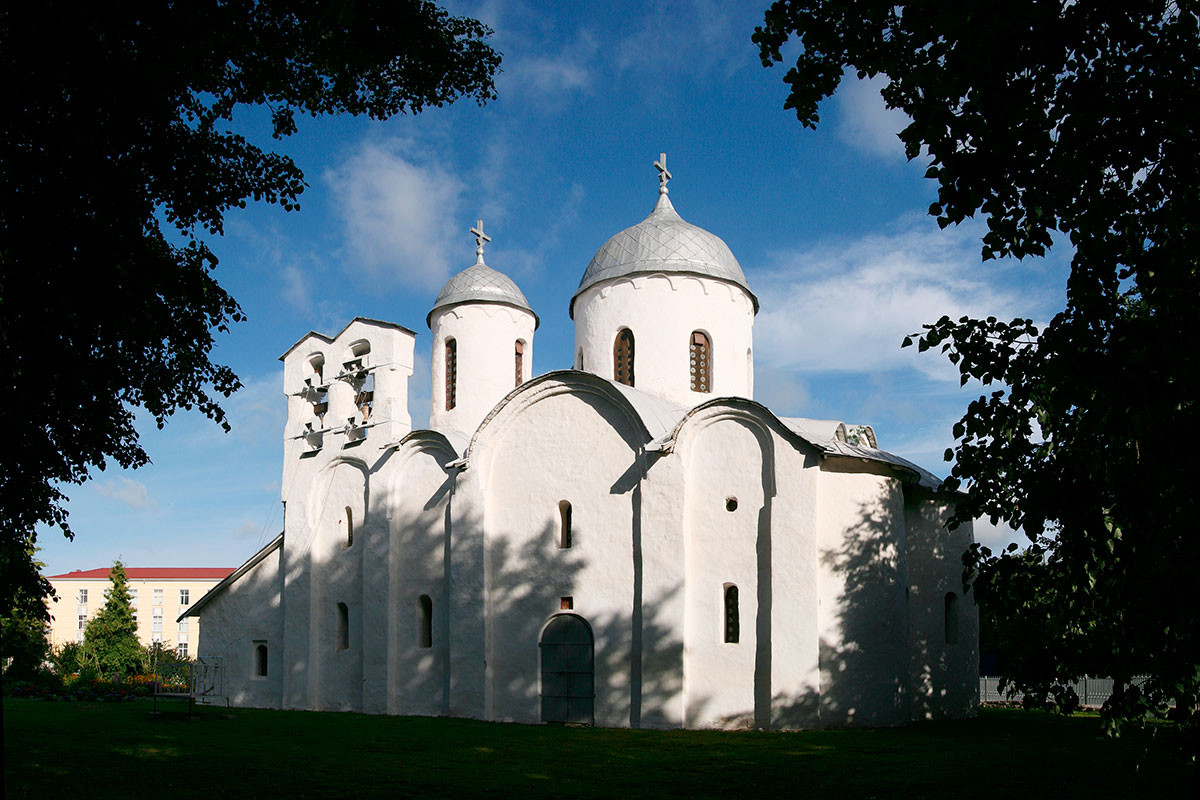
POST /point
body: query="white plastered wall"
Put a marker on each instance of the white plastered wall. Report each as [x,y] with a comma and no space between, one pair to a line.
[766,547]
[944,673]
[419,493]
[247,612]
[485,336]
[863,620]
[663,311]
[579,446]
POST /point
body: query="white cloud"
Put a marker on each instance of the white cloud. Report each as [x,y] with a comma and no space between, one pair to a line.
[997,537]
[130,492]
[401,213]
[866,123]
[295,287]
[780,391]
[845,307]
[552,75]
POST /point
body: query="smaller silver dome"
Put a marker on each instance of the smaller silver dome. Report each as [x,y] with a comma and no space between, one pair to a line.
[479,283]
[663,242]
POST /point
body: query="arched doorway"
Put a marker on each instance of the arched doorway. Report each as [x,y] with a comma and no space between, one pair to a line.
[568,671]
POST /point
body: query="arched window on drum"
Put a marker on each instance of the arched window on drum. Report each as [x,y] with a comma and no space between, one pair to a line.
[623,357]
[700,361]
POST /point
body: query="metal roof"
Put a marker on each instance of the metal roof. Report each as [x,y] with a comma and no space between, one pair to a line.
[150,573]
[479,283]
[663,242]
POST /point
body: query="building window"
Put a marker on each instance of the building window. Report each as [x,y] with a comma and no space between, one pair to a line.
[566,603]
[183,624]
[181,649]
[623,357]
[133,595]
[564,525]
[343,627]
[424,621]
[451,373]
[732,625]
[81,620]
[156,637]
[519,350]
[184,597]
[700,362]
[951,618]
[156,621]
[580,367]
[183,637]
[79,636]
[83,597]
[158,597]
[260,659]
[349,528]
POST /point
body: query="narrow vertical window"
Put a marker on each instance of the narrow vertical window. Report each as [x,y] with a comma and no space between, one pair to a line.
[343,627]
[424,621]
[623,357]
[580,367]
[564,524]
[700,362]
[349,527]
[732,625]
[519,350]
[260,660]
[951,620]
[451,373]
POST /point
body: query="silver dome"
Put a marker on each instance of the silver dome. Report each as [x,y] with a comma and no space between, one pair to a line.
[479,283]
[663,242]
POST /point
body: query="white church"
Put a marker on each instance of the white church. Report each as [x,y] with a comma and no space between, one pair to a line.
[633,542]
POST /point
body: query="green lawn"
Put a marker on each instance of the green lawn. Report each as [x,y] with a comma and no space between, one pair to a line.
[60,749]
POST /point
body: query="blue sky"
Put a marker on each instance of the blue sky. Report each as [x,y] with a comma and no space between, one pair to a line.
[829,226]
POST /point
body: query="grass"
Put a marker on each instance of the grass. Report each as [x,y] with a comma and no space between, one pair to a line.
[59,749]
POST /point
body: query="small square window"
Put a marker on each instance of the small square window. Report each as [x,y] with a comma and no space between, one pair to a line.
[566,603]
[184,596]
[181,649]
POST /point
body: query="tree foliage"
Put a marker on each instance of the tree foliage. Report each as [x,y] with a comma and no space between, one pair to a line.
[110,642]
[1075,118]
[117,158]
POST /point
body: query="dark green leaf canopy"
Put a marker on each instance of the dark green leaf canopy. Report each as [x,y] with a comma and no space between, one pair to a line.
[1078,119]
[116,159]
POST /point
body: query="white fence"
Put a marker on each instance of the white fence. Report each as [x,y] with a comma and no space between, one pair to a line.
[1092,691]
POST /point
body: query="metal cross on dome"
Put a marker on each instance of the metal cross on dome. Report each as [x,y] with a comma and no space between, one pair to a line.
[664,174]
[480,238]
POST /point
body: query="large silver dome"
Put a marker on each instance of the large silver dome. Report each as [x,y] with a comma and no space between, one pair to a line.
[663,242]
[479,283]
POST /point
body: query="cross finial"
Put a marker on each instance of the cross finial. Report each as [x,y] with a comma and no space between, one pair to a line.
[480,238]
[663,174]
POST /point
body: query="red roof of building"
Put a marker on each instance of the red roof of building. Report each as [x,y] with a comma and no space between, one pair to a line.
[155,573]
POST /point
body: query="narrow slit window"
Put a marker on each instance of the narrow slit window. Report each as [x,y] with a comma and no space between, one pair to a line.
[951,621]
[623,357]
[424,621]
[564,525]
[700,362]
[349,527]
[580,367]
[343,627]
[260,660]
[519,358]
[451,373]
[732,624]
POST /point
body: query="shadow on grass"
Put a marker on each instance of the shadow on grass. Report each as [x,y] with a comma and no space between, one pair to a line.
[102,750]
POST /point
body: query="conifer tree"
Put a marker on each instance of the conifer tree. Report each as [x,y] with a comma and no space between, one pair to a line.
[110,639]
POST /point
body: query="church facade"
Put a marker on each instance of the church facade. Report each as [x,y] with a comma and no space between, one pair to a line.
[633,542]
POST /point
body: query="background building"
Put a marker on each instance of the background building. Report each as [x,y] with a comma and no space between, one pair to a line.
[158,594]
